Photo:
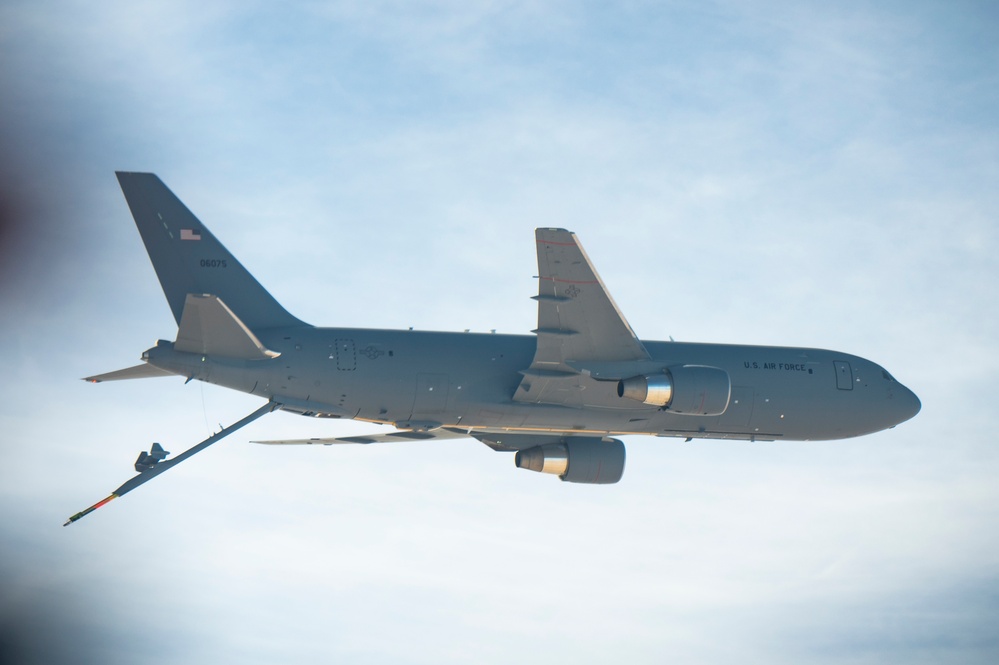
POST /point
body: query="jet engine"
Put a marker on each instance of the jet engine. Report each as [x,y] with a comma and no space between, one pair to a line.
[695,390]
[577,460]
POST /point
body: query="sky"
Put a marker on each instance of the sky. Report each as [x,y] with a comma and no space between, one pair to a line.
[786,173]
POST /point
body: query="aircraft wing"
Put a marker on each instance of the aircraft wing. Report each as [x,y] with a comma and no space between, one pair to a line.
[387,437]
[496,439]
[578,323]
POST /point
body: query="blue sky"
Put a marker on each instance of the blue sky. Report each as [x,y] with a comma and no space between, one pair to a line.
[772,173]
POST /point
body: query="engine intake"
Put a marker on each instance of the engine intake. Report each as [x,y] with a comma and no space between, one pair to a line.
[695,390]
[577,460]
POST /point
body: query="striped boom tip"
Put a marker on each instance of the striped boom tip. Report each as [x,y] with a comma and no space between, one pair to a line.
[84,513]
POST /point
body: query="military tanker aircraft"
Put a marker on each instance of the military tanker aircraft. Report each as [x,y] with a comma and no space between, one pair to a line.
[555,398]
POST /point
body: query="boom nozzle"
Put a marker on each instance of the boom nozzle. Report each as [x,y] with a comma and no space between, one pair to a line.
[84,513]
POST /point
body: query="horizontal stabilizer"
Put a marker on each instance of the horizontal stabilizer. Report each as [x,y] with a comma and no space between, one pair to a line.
[209,327]
[143,371]
[388,437]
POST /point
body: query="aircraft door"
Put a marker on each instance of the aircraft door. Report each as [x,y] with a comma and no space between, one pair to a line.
[345,354]
[431,394]
[844,375]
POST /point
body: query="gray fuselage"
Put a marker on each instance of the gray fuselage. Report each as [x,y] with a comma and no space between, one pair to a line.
[419,379]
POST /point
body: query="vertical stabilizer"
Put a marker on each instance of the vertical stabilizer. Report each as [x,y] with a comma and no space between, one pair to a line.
[188,258]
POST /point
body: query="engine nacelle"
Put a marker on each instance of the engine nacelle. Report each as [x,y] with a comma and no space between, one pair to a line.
[577,460]
[695,390]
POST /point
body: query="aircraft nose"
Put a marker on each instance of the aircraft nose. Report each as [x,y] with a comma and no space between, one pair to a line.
[907,404]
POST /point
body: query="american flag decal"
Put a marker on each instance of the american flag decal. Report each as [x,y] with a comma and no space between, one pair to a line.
[190,234]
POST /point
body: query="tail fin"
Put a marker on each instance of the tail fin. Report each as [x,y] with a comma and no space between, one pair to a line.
[188,259]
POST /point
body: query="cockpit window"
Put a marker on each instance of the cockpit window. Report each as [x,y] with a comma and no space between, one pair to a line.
[887,376]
